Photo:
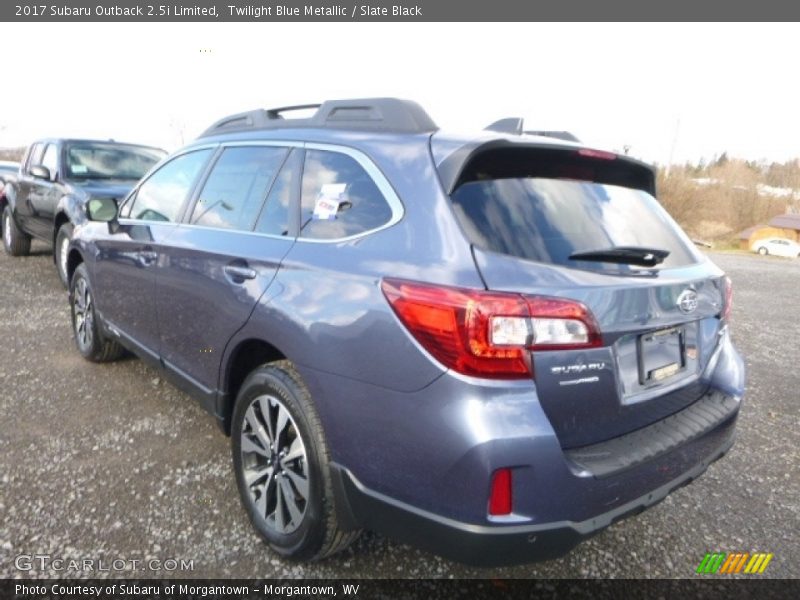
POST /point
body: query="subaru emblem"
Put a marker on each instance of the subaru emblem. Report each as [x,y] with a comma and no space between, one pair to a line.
[687,301]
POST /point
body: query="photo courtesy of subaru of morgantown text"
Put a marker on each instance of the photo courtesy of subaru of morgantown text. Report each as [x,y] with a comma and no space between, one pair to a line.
[490,346]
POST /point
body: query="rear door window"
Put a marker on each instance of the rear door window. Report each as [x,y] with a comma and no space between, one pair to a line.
[235,191]
[274,216]
[339,198]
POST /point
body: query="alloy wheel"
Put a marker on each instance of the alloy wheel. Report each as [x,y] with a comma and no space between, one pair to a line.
[62,258]
[84,315]
[274,463]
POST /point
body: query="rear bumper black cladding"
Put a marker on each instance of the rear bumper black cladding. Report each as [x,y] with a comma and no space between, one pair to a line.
[648,443]
[490,545]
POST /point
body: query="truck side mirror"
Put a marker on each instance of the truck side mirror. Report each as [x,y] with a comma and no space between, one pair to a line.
[103,210]
[40,172]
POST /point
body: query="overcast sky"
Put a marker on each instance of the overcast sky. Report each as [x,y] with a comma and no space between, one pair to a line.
[686,91]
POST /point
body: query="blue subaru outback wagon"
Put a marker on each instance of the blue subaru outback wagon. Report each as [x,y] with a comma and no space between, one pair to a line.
[491,346]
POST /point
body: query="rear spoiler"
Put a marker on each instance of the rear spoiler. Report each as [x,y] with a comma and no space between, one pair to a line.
[505,158]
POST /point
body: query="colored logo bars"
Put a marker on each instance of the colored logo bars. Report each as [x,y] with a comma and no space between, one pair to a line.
[735,562]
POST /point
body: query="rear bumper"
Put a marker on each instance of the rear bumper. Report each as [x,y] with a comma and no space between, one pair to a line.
[606,459]
[421,471]
[496,545]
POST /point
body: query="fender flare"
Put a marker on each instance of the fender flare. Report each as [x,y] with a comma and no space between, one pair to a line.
[10,194]
[70,209]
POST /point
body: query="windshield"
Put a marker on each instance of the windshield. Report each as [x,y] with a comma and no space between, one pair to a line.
[547,220]
[96,160]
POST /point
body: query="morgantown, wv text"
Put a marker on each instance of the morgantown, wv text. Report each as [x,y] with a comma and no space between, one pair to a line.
[201,591]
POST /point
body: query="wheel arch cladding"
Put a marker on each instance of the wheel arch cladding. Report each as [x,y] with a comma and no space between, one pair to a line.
[246,356]
[73,260]
[61,218]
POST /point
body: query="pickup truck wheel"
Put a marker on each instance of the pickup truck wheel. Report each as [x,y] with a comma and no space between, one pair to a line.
[282,465]
[15,241]
[89,339]
[63,238]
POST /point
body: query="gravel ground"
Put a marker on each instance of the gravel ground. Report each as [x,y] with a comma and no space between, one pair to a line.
[109,461]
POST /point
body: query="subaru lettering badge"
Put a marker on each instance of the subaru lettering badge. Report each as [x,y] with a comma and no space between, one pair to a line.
[687,301]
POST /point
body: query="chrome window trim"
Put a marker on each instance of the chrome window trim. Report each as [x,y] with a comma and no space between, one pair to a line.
[380,180]
[127,221]
[236,231]
[383,185]
[286,144]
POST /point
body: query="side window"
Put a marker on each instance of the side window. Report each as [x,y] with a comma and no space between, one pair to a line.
[235,190]
[161,196]
[50,159]
[274,217]
[35,157]
[339,198]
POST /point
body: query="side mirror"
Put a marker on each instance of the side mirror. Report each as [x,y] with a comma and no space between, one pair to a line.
[40,172]
[103,210]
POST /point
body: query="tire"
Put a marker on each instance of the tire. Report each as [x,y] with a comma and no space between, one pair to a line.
[763,251]
[15,241]
[63,238]
[89,340]
[272,479]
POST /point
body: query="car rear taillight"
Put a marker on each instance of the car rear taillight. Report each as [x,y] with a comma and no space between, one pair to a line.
[727,302]
[489,334]
[501,493]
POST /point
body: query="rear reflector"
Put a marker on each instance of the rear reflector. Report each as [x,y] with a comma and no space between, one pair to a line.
[727,302]
[489,334]
[500,496]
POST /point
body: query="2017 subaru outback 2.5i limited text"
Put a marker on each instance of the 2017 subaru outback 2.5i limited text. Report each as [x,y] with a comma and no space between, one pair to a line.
[489,346]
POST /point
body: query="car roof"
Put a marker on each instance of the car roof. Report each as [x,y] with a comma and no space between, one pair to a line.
[372,123]
[392,117]
[385,115]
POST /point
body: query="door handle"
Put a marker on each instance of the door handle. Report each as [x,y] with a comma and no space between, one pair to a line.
[239,274]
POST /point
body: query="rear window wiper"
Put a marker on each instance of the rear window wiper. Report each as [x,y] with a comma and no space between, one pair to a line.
[629,255]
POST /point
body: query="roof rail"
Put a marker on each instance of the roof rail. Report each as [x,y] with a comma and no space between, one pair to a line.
[390,115]
[513,126]
[275,113]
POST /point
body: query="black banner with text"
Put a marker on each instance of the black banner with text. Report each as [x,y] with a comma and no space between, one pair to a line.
[397,10]
[408,589]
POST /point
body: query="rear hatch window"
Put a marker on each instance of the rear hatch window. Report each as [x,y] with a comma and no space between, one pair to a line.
[548,206]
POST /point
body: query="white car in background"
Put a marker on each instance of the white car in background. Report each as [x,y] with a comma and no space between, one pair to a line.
[777,247]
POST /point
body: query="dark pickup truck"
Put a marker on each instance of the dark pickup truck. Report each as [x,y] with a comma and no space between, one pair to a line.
[56,177]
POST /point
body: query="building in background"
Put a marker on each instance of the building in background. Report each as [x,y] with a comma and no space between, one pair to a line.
[783,226]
